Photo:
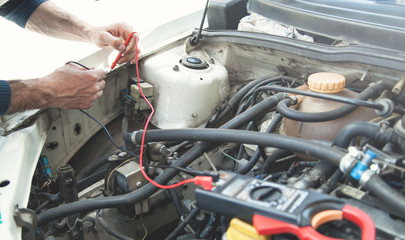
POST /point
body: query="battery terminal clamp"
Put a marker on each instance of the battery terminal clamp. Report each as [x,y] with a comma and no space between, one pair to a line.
[277,209]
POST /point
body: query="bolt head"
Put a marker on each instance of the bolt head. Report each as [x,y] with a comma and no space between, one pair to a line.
[354,152]
[375,168]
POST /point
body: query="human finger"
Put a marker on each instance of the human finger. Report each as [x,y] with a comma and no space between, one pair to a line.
[114,41]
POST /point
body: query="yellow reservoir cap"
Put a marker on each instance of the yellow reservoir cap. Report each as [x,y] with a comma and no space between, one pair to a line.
[239,230]
[326,82]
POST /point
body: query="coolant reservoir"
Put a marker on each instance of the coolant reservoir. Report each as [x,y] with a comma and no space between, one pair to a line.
[187,90]
[330,83]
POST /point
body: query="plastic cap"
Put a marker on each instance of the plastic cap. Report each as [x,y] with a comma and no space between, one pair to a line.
[326,82]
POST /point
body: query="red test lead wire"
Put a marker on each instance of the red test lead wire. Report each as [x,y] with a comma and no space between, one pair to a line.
[204,181]
[120,53]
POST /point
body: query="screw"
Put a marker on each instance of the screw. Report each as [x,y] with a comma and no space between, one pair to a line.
[176,68]
[138,184]
[375,168]
[194,114]
[212,61]
[354,152]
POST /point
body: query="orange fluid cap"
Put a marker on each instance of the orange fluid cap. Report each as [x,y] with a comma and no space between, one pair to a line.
[326,82]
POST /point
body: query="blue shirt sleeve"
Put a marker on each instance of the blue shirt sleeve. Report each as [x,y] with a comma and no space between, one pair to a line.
[5,95]
[19,11]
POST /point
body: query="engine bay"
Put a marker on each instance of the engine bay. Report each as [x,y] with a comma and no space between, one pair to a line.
[277,127]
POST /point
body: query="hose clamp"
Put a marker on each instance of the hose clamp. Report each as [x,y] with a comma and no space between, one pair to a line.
[349,159]
[366,176]
[293,99]
[133,137]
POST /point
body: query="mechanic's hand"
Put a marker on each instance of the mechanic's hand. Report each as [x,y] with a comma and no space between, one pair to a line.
[68,87]
[114,36]
[74,87]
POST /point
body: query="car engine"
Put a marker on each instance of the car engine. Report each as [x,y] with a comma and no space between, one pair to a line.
[311,123]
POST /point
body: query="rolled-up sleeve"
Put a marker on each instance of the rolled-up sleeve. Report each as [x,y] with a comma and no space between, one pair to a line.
[19,11]
[5,94]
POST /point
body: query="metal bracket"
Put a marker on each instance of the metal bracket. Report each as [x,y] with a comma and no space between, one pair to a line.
[27,219]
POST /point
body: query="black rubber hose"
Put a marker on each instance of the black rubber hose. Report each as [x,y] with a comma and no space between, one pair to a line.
[252,126]
[254,112]
[313,177]
[255,158]
[280,153]
[286,111]
[372,90]
[261,149]
[355,129]
[108,229]
[353,101]
[343,139]
[186,221]
[331,183]
[235,100]
[304,146]
[92,166]
[253,89]
[384,192]
[195,152]
[91,179]
[176,200]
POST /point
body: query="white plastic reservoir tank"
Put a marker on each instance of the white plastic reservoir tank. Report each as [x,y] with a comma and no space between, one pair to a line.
[187,89]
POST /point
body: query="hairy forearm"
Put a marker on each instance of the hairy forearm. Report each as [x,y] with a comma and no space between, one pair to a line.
[51,20]
[28,94]
[69,87]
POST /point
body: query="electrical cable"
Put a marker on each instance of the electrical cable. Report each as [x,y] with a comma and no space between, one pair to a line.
[195,180]
[100,123]
[191,155]
[120,53]
[229,156]
[186,221]
[109,135]
[205,181]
